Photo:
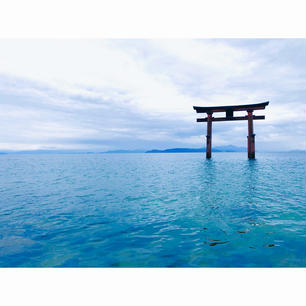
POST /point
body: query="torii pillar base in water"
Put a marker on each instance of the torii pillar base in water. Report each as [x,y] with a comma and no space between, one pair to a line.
[229,110]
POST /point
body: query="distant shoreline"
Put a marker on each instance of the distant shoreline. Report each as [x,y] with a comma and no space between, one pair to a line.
[225,149]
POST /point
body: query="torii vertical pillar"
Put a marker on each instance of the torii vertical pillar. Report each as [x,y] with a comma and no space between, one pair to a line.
[208,137]
[251,136]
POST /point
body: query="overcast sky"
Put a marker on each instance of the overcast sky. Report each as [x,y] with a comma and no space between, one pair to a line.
[98,95]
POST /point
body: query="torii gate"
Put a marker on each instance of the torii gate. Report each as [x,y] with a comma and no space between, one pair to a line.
[229,110]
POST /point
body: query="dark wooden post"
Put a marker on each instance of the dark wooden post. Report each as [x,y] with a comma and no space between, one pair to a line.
[251,136]
[208,137]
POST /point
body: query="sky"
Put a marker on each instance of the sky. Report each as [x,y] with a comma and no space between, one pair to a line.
[108,94]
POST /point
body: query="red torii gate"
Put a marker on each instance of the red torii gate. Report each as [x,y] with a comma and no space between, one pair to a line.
[229,110]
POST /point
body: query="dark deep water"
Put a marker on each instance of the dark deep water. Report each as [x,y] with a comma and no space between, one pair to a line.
[153,210]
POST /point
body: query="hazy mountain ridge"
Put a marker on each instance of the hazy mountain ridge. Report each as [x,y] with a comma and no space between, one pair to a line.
[229,148]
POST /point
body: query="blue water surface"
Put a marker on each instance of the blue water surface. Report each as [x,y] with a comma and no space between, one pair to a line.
[153,210]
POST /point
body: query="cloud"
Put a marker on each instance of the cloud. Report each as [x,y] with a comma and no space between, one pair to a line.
[108,94]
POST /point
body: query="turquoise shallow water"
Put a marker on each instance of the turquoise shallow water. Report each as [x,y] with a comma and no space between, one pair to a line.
[153,210]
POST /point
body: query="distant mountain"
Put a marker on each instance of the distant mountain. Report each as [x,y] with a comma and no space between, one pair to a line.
[193,150]
[231,148]
[177,150]
[125,151]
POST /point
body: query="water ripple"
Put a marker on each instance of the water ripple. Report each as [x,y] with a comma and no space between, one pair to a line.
[153,210]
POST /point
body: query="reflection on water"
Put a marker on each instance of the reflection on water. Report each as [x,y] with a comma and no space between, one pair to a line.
[153,210]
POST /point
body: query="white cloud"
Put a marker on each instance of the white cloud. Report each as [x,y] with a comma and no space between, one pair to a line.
[107,91]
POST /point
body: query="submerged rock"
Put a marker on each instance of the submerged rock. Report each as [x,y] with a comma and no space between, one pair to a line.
[215,243]
[243,232]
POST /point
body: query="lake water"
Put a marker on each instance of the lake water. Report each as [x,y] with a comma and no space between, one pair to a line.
[153,210]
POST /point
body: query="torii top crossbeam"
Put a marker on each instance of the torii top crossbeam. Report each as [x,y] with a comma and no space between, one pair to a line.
[215,109]
[229,110]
